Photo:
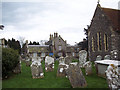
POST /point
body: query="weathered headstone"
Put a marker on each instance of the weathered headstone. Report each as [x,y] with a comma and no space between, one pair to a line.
[113,77]
[75,76]
[68,60]
[98,58]
[28,63]
[61,60]
[107,57]
[62,67]
[88,67]
[62,70]
[18,67]
[82,57]
[49,64]
[114,54]
[36,69]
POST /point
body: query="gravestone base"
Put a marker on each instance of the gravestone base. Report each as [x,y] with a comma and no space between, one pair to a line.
[88,70]
[49,68]
[28,63]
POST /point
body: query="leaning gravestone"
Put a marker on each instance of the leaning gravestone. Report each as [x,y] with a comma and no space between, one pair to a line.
[98,58]
[36,69]
[49,63]
[107,57]
[82,57]
[75,76]
[88,68]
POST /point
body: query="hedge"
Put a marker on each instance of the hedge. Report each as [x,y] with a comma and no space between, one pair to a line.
[10,59]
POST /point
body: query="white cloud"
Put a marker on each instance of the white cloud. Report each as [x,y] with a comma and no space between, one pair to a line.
[35,21]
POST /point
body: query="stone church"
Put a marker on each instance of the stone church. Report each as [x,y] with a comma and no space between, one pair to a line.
[104,33]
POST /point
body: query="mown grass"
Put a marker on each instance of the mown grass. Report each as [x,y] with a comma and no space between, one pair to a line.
[24,80]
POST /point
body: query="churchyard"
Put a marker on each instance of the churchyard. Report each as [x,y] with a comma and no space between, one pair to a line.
[50,80]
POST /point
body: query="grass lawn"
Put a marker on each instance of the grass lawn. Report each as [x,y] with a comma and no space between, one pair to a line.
[24,80]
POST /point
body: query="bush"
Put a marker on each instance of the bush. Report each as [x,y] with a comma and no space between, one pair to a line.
[10,59]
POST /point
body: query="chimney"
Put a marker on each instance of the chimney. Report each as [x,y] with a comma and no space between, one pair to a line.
[56,34]
[50,37]
[27,42]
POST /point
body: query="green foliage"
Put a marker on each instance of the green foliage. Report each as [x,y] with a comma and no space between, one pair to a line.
[10,59]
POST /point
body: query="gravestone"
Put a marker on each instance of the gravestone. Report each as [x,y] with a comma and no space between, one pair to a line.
[28,62]
[68,60]
[49,64]
[88,68]
[62,70]
[98,58]
[114,54]
[82,57]
[62,67]
[61,60]
[107,57]
[113,77]
[36,69]
[75,76]
[18,67]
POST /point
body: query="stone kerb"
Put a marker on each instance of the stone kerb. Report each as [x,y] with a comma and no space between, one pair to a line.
[36,69]
[82,57]
[75,76]
[49,64]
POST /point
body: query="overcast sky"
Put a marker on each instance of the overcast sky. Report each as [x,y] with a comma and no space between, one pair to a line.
[37,19]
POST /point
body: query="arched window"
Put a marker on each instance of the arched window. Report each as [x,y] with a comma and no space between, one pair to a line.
[93,48]
[99,41]
[106,42]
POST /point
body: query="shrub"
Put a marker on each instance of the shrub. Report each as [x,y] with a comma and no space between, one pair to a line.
[10,59]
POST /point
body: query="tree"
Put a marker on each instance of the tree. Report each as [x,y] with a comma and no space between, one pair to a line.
[30,43]
[14,44]
[86,31]
[22,41]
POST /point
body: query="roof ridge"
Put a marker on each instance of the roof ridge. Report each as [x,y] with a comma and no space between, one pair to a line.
[110,8]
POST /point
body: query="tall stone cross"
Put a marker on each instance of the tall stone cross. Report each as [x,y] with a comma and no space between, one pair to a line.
[98,1]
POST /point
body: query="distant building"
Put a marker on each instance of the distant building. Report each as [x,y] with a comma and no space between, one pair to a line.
[38,50]
[57,45]
[104,33]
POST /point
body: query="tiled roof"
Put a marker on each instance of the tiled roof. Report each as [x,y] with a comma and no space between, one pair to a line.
[114,16]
